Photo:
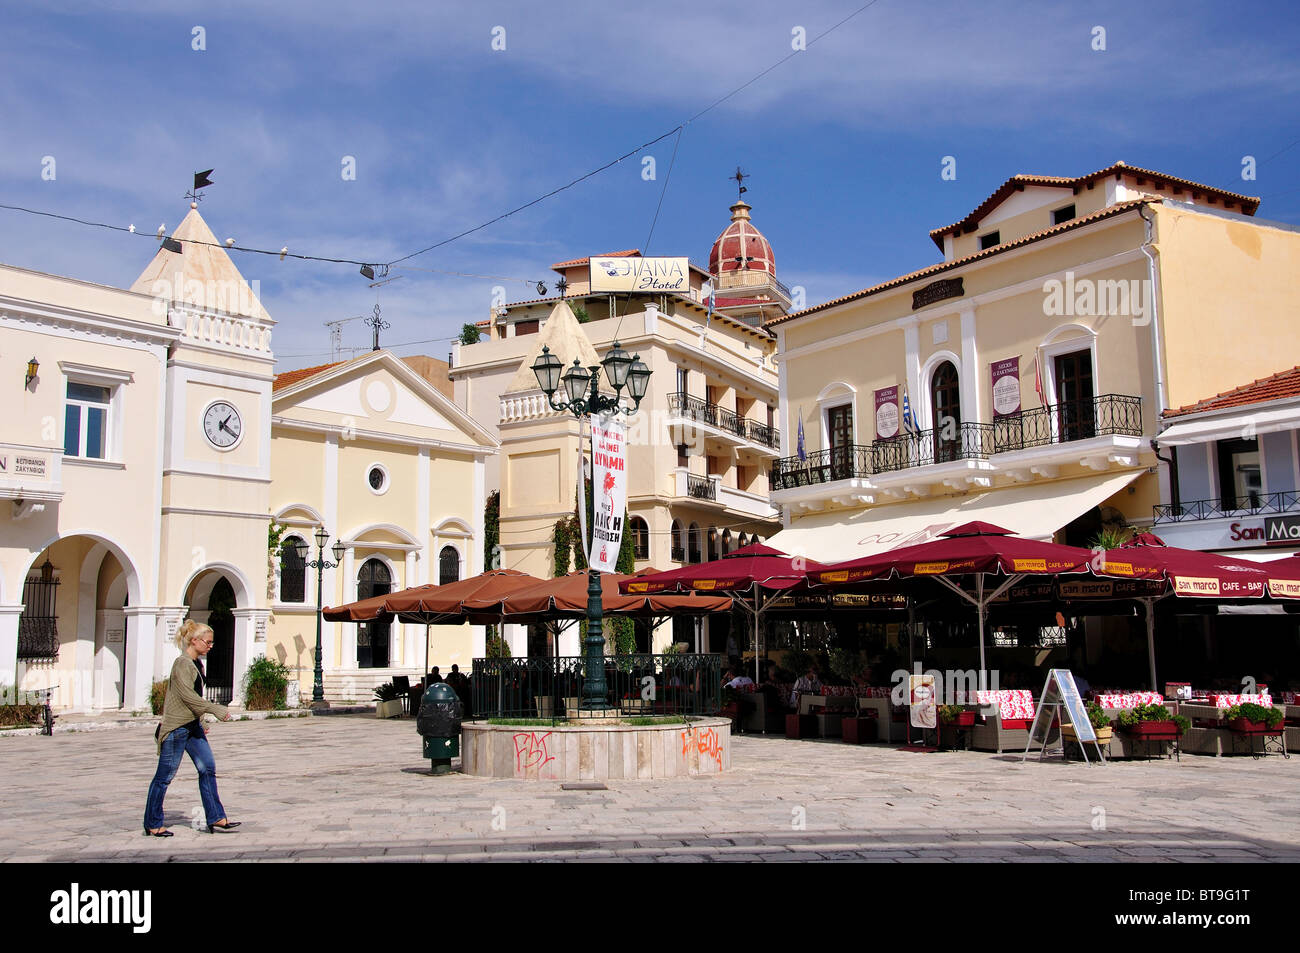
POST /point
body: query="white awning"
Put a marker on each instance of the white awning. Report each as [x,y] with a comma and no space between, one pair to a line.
[1245,423]
[1035,511]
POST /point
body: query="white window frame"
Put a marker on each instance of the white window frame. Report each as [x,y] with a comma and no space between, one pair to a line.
[111,379]
[388,480]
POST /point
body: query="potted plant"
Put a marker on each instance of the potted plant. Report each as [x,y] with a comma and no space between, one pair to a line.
[388,701]
[1152,721]
[1252,719]
[956,716]
[1101,725]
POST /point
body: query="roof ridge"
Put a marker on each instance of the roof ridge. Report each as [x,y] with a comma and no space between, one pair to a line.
[1239,390]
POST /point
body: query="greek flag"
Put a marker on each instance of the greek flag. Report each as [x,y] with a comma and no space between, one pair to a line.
[908,422]
[800,451]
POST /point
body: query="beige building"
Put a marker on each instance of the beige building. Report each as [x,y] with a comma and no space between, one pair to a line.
[375,451]
[700,446]
[1036,359]
[136,466]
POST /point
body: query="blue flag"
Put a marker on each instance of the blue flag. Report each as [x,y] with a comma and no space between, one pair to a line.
[800,451]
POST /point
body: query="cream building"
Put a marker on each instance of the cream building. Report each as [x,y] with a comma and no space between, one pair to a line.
[700,446]
[136,466]
[375,451]
[1121,293]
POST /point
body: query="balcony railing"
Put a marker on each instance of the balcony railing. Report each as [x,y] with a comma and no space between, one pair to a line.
[1283,501]
[1110,414]
[939,445]
[822,466]
[702,411]
[701,488]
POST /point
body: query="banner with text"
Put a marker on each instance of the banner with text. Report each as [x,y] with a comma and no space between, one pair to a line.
[887,412]
[1006,386]
[640,274]
[609,488]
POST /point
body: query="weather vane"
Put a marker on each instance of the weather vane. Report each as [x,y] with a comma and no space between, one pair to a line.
[379,324]
[740,178]
[201,181]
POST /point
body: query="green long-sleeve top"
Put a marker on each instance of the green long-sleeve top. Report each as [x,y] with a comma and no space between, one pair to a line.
[183,703]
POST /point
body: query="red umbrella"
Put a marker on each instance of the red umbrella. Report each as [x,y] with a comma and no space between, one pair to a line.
[1189,572]
[756,571]
[974,548]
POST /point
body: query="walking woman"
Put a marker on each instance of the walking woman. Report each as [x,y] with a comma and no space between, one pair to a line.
[181,732]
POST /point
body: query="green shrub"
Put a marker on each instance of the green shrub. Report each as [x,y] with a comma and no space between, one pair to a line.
[20,716]
[1271,717]
[266,685]
[948,713]
[387,692]
[1097,716]
[158,696]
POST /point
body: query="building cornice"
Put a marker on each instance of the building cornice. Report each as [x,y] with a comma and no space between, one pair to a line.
[377,436]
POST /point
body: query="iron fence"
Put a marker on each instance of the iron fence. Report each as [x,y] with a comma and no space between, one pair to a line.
[1283,501]
[853,461]
[763,433]
[701,488]
[1107,415]
[551,689]
[967,441]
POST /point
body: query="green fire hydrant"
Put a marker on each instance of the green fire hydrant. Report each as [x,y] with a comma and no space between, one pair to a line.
[439,722]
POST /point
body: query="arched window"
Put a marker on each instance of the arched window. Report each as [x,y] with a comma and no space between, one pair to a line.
[945,399]
[693,544]
[714,542]
[726,542]
[640,538]
[293,571]
[448,565]
[678,543]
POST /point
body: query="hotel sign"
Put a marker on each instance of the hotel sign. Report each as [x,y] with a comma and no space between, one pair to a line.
[670,275]
[937,291]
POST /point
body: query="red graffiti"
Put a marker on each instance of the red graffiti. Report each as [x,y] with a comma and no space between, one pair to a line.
[531,750]
[706,741]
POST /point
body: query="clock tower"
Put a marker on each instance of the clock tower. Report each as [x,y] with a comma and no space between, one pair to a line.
[215,426]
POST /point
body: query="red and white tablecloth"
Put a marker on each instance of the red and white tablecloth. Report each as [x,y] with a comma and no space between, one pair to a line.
[1129,699]
[1014,704]
[1227,701]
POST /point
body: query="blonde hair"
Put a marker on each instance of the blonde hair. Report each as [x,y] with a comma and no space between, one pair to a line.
[189,631]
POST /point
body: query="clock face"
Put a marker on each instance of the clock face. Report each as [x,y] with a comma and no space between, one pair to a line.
[221,425]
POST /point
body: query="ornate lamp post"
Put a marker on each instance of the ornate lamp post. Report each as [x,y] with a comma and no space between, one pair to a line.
[320,564]
[582,387]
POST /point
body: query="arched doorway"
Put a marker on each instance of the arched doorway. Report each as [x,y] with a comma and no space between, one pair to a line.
[448,565]
[220,664]
[374,579]
[945,398]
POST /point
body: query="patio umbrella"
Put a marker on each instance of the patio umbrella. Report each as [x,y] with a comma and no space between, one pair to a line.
[753,575]
[974,548]
[1193,574]
[566,597]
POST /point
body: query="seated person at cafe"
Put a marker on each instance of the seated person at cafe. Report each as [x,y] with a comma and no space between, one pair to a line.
[807,684]
[739,681]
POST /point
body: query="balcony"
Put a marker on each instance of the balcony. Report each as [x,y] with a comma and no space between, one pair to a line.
[1095,434]
[1284,501]
[722,423]
[701,488]
[711,489]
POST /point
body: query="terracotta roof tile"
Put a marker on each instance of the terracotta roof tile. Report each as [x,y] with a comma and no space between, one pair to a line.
[943,266]
[1277,386]
[582,261]
[289,378]
[1248,203]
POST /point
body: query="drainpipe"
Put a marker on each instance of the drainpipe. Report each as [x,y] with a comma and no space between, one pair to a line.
[1148,249]
[1175,497]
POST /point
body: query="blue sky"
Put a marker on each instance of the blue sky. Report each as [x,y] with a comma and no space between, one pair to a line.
[844,141]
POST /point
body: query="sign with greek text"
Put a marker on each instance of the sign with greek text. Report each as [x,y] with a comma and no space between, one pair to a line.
[609,487]
[887,412]
[1006,386]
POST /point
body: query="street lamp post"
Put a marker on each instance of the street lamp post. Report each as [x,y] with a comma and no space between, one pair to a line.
[582,387]
[320,564]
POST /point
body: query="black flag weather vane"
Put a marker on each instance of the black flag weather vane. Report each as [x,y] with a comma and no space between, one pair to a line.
[201,181]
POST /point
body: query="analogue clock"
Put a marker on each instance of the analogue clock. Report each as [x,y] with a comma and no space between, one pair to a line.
[221,425]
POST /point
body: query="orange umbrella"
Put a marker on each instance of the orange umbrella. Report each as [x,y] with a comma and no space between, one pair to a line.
[566,597]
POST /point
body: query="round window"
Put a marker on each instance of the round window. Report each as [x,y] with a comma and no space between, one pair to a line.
[378,479]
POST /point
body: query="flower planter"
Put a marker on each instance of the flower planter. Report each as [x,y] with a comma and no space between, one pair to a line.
[1103,734]
[965,719]
[389,709]
[858,731]
[1246,727]
[1154,730]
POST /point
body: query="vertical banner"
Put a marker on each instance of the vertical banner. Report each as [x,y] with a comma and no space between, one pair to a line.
[921,702]
[887,412]
[1006,386]
[609,487]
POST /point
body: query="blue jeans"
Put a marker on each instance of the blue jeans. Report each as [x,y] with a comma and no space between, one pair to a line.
[180,742]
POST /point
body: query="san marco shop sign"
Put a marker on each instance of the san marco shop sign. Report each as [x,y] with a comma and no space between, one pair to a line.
[1282,530]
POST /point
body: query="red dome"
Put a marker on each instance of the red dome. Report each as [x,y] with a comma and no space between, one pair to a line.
[741,247]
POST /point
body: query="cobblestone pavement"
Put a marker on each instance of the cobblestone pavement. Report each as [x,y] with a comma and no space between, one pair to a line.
[349,788]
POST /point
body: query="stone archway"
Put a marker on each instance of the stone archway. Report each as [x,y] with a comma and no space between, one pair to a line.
[213,598]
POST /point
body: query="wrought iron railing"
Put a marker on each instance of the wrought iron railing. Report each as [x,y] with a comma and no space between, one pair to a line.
[1107,415]
[1282,501]
[38,626]
[219,694]
[696,408]
[701,488]
[678,554]
[853,461]
[551,689]
[968,441]
[762,433]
